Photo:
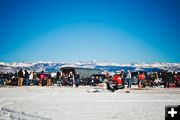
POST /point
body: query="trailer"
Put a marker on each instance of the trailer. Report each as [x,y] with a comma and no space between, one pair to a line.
[83,72]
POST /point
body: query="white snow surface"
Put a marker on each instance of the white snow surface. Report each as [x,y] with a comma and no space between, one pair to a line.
[84,103]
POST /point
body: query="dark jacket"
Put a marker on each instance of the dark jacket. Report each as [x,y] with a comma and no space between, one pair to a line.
[26,75]
[20,74]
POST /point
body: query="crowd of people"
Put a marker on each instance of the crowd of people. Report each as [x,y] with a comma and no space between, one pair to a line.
[164,78]
[144,79]
[27,78]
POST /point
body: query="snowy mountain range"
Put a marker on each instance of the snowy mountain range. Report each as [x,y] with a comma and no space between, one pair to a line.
[107,66]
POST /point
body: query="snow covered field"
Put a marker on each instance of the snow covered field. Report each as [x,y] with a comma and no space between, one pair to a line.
[64,103]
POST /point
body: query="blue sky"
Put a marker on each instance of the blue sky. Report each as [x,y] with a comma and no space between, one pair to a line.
[122,31]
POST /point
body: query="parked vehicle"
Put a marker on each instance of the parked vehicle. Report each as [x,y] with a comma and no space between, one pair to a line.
[83,72]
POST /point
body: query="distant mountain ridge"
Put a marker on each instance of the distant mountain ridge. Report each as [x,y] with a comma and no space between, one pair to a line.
[107,66]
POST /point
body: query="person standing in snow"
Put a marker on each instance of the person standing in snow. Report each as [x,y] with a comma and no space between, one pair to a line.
[20,77]
[58,78]
[1,79]
[128,79]
[31,78]
[141,78]
[170,79]
[26,77]
[77,80]
[165,79]
[35,78]
[43,78]
[123,76]
[49,80]
[71,79]
[66,79]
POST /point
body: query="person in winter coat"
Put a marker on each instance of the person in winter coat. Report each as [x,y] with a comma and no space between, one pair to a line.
[165,79]
[49,79]
[31,78]
[177,79]
[128,79]
[20,77]
[169,79]
[71,79]
[123,76]
[35,78]
[66,79]
[26,77]
[141,78]
[77,80]
[58,78]
[43,78]
[1,79]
